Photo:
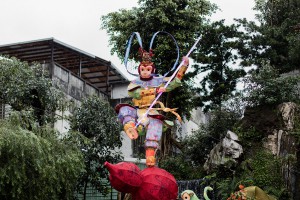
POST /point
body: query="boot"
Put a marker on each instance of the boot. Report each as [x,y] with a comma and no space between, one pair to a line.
[130,130]
[150,157]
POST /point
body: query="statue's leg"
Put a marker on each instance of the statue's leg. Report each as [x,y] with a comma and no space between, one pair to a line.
[128,116]
[143,121]
[154,132]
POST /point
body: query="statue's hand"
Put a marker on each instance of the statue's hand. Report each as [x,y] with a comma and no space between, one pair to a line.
[185,61]
[160,89]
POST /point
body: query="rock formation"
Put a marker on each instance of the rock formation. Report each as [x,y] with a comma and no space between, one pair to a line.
[225,153]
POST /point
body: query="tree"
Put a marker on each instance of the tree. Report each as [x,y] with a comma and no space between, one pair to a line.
[267,87]
[25,86]
[35,161]
[96,120]
[217,57]
[36,165]
[276,39]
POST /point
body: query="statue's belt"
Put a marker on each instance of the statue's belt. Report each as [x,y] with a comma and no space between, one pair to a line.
[164,109]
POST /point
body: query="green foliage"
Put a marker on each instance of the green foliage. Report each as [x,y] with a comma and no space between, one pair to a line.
[227,186]
[249,136]
[152,16]
[207,136]
[181,98]
[188,164]
[267,87]
[25,86]
[198,140]
[266,169]
[181,168]
[96,120]
[276,38]
[217,57]
[260,168]
[36,165]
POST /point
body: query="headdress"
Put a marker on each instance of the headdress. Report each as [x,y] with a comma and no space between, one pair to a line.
[146,57]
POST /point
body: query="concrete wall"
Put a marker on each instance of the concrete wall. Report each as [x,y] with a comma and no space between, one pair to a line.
[188,127]
[74,88]
[119,91]
[72,85]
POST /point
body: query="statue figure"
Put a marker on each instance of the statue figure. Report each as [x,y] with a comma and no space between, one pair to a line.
[138,118]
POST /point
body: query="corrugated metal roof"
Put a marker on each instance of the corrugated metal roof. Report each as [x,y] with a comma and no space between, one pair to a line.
[97,71]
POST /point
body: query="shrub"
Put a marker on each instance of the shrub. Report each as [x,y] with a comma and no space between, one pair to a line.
[33,166]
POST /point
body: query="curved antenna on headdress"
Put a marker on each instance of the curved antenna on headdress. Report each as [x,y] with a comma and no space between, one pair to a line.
[177,48]
[128,49]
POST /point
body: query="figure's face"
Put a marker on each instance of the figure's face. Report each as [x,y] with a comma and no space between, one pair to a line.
[145,71]
[185,196]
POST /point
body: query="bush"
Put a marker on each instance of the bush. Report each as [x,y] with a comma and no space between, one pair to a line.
[181,168]
[25,86]
[97,121]
[36,167]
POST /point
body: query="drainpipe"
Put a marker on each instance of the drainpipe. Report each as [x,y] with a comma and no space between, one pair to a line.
[107,80]
[79,73]
[51,70]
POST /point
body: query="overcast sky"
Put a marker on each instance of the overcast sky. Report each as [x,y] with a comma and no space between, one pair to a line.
[77,22]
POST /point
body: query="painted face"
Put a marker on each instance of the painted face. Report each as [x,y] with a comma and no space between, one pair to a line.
[145,71]
[185,196]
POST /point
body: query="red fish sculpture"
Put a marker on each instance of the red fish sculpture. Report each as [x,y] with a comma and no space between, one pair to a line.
[151,183]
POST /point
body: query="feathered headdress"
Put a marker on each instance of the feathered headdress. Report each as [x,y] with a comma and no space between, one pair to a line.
[146,57]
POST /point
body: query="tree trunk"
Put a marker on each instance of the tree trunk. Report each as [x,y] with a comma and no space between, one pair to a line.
[165,144]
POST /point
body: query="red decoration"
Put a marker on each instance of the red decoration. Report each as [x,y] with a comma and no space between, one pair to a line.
[124,176]
[158,184]
[151,183]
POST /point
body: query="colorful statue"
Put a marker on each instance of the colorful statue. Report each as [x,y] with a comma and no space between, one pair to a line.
[140,118]
[190,195]
[248,193]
